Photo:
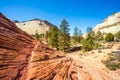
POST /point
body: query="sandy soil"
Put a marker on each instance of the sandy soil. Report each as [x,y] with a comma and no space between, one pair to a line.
[95,57]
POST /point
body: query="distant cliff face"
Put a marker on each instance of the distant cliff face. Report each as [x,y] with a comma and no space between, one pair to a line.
[34,25]
[109,25]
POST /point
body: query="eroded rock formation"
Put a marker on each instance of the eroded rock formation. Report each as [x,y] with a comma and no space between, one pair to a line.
[111,24]
[15,49]
[34,26]
[23,58]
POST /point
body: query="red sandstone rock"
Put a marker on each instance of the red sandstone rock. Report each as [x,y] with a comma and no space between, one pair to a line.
[23,58]
[15,48]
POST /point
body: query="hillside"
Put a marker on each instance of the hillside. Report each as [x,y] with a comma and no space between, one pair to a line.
[110,24]
[31,26]
[23,58]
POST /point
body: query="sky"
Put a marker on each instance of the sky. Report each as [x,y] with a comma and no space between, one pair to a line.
[80,13]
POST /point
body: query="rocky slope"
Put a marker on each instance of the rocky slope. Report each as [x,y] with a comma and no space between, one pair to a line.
[34,25]
[110,24]
[15,49]
[23,58]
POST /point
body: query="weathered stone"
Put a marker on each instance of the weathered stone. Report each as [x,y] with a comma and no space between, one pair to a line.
[23,58]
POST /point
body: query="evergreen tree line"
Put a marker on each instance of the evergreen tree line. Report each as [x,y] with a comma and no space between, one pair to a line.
[60,38]
[92,39]
[77,35]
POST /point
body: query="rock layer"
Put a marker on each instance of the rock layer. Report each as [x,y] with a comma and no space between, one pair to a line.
[15,49]
[109,25]
[23,58]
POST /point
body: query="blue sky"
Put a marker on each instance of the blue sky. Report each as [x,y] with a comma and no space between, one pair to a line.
[80,13]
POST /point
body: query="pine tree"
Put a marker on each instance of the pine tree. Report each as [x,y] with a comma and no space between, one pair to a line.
[37,35]
[60,41]
[89,29]
[53,37]
[89,43]
[76,33]
[79,36]
[90,33]
[64,41]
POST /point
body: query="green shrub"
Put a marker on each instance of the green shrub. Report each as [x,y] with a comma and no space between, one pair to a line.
[99,36]
[89,44]
[117,35]
[111,64]
[109,37]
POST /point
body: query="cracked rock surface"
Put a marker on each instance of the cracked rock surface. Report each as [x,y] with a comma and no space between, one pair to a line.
[23,58]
